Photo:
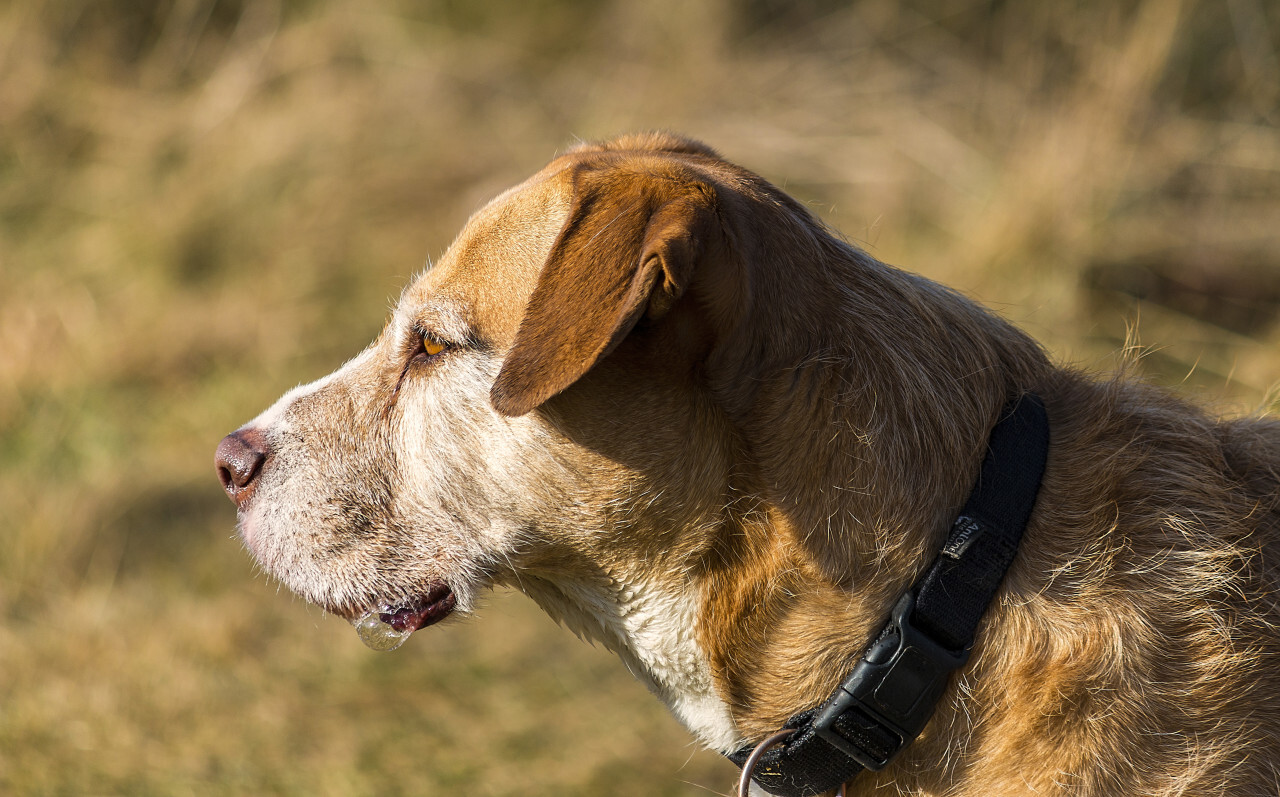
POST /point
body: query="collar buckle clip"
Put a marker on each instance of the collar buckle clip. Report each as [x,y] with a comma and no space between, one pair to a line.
[891,693]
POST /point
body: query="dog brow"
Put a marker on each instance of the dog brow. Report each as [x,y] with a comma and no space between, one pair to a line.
[445,319]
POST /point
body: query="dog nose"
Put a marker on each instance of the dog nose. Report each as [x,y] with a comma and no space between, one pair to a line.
[239,461]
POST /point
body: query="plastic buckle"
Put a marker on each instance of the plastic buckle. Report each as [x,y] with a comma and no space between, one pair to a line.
[891,693]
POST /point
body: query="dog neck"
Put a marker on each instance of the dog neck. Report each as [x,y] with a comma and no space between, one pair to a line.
[861,439]
[892,692]
[649,625]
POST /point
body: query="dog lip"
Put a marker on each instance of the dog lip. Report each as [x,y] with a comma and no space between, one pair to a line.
[420,612]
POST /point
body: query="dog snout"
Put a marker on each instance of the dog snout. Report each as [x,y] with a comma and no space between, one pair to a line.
[239,460]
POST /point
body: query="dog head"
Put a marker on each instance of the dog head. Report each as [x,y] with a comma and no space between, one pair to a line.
[614,393]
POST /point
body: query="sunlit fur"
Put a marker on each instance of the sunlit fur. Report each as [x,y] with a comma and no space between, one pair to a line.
[732,486]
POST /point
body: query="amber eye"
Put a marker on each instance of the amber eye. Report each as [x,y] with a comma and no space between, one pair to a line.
[432,346]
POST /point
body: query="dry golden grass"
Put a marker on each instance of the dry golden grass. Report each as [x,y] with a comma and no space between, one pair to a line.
[204,202]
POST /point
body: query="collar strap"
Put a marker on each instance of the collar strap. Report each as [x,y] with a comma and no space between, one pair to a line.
[894,688]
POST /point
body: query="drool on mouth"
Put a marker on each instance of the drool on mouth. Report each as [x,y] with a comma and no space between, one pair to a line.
[388,626]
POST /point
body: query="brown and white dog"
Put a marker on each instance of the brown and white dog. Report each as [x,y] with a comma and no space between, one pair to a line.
[649,390]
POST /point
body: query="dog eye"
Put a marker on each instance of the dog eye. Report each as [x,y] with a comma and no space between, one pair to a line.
[432,346]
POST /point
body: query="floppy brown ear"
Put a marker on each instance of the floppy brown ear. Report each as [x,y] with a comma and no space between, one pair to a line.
[628,248]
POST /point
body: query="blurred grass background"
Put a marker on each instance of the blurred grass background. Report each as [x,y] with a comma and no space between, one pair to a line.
[205,202]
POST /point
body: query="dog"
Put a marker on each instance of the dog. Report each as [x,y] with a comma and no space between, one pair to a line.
[652,392]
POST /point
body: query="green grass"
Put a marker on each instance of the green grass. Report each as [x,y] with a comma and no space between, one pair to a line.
[203,203]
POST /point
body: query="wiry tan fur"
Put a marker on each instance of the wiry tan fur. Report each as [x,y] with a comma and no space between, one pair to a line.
[692,423]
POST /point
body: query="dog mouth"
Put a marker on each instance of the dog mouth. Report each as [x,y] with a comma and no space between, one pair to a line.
[388,626]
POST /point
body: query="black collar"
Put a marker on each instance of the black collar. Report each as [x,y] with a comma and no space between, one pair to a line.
[885,702]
